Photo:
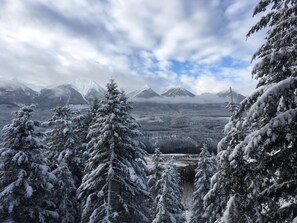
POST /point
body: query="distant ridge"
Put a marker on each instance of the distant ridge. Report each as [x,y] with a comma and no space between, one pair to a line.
[15,92]
[59,96]
[237,98]
[83,92]
[89,89]
[146,92]
[178,92]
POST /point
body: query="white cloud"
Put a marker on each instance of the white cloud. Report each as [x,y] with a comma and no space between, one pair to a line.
[135,41]
[238,79]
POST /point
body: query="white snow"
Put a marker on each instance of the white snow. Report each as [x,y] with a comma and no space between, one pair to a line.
[144,92]
[230,203]
[29,190]
[188,216]
[178,91]
[83,86]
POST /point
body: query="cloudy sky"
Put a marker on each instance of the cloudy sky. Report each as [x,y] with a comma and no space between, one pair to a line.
[197,44]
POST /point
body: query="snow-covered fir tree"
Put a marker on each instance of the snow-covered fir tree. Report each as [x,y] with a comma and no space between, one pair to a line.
[205,170]
[216,199]
[155,173]
[63,143]
[64,195]
[114,188]
[65,154]
[26,184]
[82,122]
[261,137]
[169,207]
[81,125]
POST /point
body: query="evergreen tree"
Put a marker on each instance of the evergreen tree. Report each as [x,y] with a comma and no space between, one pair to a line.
[65,156]
[65,194]
[155,173]
[114,188]
[222,182]
[169,207]
[63,143]
[94,107]
[82,122]
[205,170]
[262,141]
[26,185]
[81,125]
[154,177]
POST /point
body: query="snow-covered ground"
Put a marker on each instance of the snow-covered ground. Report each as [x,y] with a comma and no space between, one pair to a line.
[181,160]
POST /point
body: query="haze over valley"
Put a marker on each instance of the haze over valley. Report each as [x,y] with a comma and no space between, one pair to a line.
[177,121]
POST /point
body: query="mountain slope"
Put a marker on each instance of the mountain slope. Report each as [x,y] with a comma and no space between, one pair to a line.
[178,92]
[145,93]
[59,96]
[226,96]
[14,92]
[88,89]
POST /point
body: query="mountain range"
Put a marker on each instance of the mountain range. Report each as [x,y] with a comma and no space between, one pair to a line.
[82,92]
[146,92]
[178,92]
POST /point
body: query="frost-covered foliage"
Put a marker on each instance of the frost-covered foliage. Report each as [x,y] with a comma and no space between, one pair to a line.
[205,170]
[277,56]
[169,207]
[82,122]
[26,185]
[221,185]
[217,197]
[65,195]
[114,188]
[81,125]
[155,173]
[63,143]
[259,150]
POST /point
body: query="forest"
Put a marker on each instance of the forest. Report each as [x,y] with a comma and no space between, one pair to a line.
[91,167]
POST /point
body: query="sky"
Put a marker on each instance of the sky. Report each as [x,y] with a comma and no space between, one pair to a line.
[200,45]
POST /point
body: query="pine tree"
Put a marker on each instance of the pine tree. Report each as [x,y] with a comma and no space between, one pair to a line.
[81,125]
[205,170]
[114,188]
[63,143]
[82,122]
[65,194]
[216,199]
[26,185]
[262,141]
[169,207]
[155,173]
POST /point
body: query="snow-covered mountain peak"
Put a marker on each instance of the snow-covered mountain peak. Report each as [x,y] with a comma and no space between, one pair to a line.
[84,86]
[178,92]
[145,92]
[145,87]
[12,84]
[15,92]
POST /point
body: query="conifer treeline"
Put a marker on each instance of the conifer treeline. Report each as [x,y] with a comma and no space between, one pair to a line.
[95,171]
[87,168]
[256,179]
